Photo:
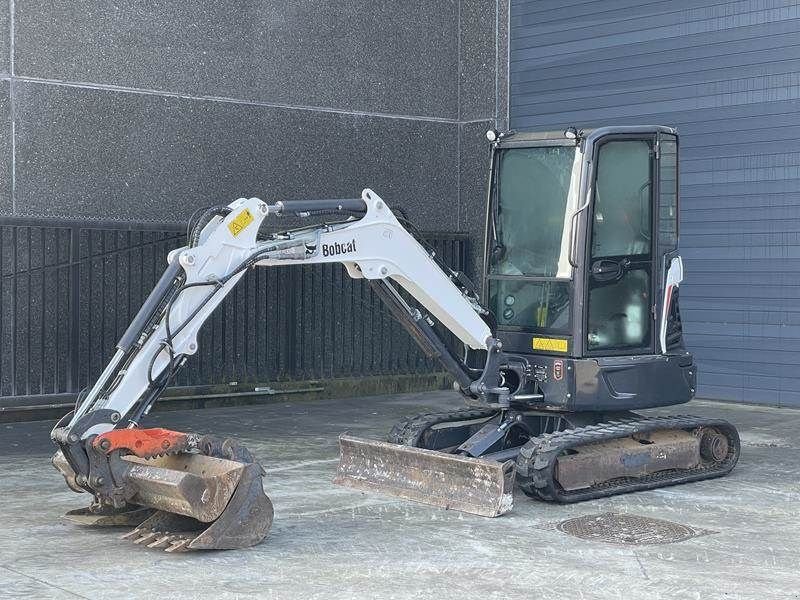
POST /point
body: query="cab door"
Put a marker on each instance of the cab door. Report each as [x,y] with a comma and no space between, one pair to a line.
[620,263]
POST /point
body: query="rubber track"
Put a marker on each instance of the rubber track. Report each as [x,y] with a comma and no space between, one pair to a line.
[409,431]
[536,462]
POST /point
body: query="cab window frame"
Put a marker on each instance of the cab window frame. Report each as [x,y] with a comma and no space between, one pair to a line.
[651,269]
[491,223]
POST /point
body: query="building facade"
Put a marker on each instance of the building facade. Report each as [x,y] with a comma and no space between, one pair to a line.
[726,75]
[122,118]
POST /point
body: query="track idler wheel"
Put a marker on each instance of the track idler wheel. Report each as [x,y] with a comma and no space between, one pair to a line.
[714,446]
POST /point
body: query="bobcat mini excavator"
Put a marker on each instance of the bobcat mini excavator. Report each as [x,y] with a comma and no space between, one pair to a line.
[579,326]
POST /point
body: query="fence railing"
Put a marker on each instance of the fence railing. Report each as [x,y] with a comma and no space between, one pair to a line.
[69,289]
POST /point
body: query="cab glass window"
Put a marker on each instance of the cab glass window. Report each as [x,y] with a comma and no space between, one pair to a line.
[619,288]
[532,190]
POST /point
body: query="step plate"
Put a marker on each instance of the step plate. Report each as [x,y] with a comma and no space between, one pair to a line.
[470,485]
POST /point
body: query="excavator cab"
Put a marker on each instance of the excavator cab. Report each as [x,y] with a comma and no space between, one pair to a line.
[582,267]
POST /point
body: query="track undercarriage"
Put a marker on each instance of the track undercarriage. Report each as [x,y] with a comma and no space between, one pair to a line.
[558,457]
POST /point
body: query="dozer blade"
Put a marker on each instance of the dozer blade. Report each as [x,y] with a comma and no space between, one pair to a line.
[471,485]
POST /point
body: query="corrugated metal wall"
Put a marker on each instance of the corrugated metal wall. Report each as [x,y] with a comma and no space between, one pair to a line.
[727,74]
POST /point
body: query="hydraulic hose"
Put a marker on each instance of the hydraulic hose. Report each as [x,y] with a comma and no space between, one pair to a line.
[205,219]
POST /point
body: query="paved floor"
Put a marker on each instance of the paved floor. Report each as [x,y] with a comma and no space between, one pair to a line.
[329,542]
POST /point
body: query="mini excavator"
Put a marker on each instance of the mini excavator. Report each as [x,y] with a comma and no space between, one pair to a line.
[576,326]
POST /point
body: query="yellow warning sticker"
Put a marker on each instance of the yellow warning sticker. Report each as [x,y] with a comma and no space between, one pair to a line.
[242,220]
[550,344]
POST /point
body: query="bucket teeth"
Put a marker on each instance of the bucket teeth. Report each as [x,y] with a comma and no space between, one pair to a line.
[132,534]
[147,537]
[179,545]
[162,541]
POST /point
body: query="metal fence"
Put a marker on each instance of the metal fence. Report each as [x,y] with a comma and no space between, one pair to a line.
[68,290]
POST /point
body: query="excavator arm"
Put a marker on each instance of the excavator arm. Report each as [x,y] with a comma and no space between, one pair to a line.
[199,478]
[373,246]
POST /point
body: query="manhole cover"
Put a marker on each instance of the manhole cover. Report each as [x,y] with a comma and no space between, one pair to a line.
[629,530]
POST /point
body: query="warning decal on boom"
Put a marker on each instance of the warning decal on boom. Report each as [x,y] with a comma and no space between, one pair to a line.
[242,220]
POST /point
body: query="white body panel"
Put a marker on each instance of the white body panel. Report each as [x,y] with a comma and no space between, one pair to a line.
[673,280]
[564,266]
[218,254]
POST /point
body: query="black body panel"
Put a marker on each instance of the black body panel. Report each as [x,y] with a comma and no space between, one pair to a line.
[609,383]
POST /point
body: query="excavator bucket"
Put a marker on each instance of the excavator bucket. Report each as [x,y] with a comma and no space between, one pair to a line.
[185,501]
[203,503]
[471,485]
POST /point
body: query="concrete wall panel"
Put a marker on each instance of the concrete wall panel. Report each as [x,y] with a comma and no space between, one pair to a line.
[6,149]
[367,55]
[92,154]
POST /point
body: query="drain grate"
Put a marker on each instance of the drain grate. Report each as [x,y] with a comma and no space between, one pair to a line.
[628,530]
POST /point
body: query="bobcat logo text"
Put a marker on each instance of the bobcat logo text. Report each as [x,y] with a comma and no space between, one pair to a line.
[337,248]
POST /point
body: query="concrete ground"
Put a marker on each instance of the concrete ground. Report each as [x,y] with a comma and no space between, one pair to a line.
[330,542]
